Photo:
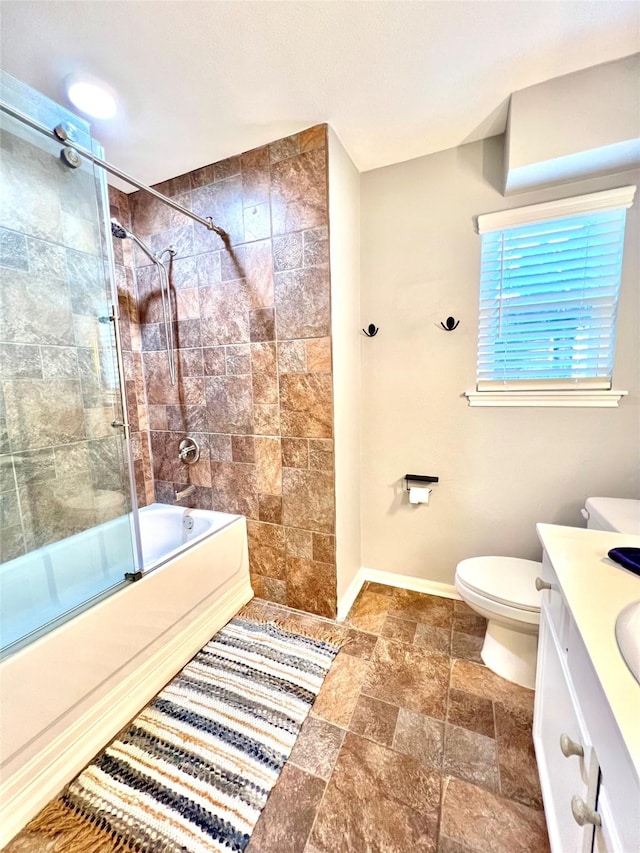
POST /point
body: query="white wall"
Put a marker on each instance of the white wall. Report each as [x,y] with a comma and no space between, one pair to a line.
[344,219]
[501,469]
[575,126]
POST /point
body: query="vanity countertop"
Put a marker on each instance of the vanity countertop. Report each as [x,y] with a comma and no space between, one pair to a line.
[596,589]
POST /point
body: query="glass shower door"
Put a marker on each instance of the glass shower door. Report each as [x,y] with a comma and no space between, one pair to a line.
[66,514]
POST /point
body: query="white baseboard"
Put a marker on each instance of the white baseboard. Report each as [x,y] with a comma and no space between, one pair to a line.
[444,590]
[23,794]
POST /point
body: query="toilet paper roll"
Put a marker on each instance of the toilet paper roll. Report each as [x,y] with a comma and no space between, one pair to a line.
[419,495]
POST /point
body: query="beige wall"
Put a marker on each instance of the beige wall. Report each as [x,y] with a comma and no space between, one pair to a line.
[344,249]
[501,469]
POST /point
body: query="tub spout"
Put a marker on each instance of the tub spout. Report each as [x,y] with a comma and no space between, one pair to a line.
[185,493]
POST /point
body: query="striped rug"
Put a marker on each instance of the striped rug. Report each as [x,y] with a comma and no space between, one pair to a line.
[193,771]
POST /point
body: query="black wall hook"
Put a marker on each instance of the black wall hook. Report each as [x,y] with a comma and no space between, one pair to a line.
[450,324]
[372,330]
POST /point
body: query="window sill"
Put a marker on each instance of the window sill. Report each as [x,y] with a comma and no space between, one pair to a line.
[572,399]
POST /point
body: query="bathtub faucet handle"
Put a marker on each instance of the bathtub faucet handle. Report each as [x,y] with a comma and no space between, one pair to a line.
[188,451]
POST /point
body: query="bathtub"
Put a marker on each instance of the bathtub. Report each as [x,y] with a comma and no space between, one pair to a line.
[68,692]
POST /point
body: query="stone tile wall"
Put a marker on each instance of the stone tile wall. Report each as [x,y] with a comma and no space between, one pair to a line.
[254,357]
[131,345]
[61,464]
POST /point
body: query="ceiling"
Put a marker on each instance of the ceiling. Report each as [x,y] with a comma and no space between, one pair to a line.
[200,80]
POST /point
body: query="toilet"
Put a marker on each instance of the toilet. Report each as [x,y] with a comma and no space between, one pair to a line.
[503,590]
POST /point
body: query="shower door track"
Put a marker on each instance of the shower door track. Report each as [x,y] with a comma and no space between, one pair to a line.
[61,134]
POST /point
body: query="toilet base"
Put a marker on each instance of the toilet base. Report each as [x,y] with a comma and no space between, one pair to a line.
[511,654]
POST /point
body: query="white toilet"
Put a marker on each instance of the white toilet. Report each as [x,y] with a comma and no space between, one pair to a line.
[503,590]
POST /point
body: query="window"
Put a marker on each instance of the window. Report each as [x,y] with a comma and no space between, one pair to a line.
[549,284]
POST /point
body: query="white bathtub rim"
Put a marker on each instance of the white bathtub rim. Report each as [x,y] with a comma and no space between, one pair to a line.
[184,511]
[41,778]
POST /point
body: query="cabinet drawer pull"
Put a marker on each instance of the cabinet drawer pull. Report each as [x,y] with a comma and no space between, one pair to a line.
[540,584]
[570,747]
[582,813]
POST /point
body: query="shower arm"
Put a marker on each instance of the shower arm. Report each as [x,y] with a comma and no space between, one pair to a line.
[61,134]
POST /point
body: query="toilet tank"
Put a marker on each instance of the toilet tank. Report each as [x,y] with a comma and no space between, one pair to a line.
[621,515]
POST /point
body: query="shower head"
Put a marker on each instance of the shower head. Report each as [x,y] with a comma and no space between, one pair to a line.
[118,230]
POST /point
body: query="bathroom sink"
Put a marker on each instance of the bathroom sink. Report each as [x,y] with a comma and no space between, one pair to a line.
[628,637]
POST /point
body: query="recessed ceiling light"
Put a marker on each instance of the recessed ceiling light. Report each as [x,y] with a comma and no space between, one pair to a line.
[91,96]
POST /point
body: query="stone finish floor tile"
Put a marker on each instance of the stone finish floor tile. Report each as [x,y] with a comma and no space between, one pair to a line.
[477,679]
[360,644]
[398,629]
[317,747]
[409,676]
[287,818]
[433,638]
[339,693]
[471,712]
[467,620]
[369,612]
[420,736]
[377,800]
[374,719]
[466,646]
[470,756]
[486,823]
[517,761]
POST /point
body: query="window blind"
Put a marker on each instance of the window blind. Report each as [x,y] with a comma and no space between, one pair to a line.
[548,300]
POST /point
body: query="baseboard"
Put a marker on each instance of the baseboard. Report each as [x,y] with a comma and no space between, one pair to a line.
[444,590]
[23,794]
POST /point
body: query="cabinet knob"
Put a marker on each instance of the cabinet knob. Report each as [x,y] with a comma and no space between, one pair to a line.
[570,747]
[540,584]
[582,813]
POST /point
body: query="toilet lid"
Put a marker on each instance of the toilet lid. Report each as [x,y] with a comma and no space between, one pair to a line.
[508,580]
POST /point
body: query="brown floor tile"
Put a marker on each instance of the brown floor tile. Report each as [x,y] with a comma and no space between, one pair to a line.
[420,736]
[433,638]
[519,778]
[369,611]
[467,620]
[466,646]
[470,756]
[359,644]
[471,712]
[380,588]
[398,629]
[481,681]
[281,828]
[486,823]
[340,691]
[35,843]
[377,800]
[419,607]
[447,845]
[317,747]
[409,677]
[374,719]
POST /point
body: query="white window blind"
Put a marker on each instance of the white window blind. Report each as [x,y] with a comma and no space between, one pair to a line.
[549,295]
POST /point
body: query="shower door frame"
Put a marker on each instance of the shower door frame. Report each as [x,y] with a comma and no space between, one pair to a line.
[111,302]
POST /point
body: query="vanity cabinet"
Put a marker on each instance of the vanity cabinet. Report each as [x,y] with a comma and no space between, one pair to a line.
[586,728]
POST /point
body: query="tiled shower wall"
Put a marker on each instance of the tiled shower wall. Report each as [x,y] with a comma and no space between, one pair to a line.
[61,464]
[131,345]
[254,369]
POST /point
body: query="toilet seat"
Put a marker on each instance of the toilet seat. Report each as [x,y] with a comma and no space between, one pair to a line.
[509,581]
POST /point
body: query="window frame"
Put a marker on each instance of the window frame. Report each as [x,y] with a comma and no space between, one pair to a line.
[541,392]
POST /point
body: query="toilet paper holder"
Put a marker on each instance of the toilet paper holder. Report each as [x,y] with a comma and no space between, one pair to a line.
[419,478]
